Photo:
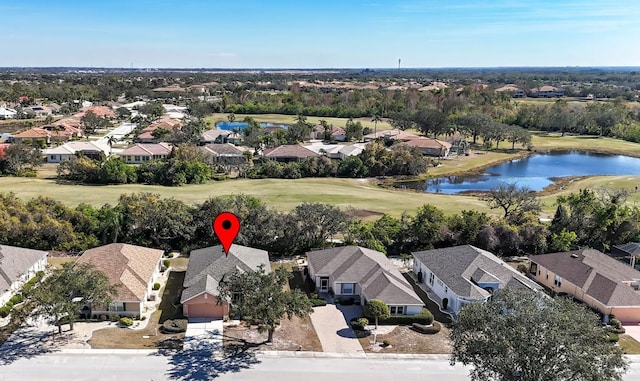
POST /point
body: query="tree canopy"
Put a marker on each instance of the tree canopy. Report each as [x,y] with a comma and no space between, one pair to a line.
[527,336]
[262,298]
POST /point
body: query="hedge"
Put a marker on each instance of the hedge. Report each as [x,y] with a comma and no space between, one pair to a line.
[425,318]
[427,329]
[318,302]
[126,321]
[174,326]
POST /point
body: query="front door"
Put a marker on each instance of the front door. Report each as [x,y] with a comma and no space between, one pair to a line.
[324,284]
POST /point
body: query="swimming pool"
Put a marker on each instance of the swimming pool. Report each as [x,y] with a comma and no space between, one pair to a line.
[228,126]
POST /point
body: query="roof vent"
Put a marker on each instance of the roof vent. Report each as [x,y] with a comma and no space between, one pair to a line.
[574,255]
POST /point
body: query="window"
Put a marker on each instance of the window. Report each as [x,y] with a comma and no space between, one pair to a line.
[347,289]
[446,289]
[137,158]
[557,281]
[440,283]
[396,310]
[431,277]
[116,306]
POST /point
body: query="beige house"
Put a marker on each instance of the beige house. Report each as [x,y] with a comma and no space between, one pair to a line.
[132,269]
[18,266]
[601,282]
[140,153]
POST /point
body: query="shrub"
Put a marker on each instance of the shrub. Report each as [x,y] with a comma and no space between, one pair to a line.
[522,268]
[427,329]
[156,286]
[16,299]
[114,317]
[359,324]
[174,326]
[9,304]
[126,321]
[4,311]
[136,317]
[612,337]
[166,263]
[143,318]
[347,301]
[311,285]
[103,317]
[425,318]
[318,302]
[386,342]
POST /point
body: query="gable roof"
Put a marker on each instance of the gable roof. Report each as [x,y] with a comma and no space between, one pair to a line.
[213,135]
[427,143]
[372,270]
[73,147]
[208,266]
[391,134]
[289,151]
[461,268]
[128,266]
[604,278]
[14,262]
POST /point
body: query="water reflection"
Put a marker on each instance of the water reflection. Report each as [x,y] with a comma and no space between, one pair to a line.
[534,172]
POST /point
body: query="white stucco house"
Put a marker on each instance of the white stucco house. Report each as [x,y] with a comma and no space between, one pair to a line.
[461,275]
[17,266]
[363,274]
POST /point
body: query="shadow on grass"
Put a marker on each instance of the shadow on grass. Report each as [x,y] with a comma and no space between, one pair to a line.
[204,358]
[431,305]
[170,304]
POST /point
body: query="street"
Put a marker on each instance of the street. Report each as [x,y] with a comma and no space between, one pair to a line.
[195,366]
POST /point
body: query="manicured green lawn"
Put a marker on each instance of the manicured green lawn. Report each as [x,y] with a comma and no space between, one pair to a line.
[289,119]
[587,143]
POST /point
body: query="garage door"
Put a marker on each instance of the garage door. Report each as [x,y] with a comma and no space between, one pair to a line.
[206,310]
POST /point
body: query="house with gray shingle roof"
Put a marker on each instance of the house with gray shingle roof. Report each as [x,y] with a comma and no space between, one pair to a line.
[598,280]
[17,266]
[461,275]
[207,268]
[363,274]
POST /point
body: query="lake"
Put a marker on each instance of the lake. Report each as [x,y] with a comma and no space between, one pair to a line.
[535,172]
[228,126]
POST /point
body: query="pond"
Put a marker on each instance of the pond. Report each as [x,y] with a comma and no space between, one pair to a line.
[536,172]
[228,126]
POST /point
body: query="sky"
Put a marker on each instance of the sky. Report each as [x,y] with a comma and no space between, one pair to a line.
[319,33]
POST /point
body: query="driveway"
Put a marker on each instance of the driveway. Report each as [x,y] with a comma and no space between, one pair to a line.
[633,331]
[332,326]
[203,333]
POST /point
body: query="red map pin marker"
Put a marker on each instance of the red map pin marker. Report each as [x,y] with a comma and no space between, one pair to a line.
[226,226]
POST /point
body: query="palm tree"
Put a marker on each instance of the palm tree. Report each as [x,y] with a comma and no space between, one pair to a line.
[327,129]
[111,141]
[375,120]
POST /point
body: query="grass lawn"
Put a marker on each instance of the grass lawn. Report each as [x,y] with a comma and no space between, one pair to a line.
[586,143]
[122,338]
[405,340]
[289,119]
[276,193]
[57,262]
[629,345]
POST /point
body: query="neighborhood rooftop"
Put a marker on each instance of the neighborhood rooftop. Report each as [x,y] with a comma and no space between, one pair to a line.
[462,267]
[14,262]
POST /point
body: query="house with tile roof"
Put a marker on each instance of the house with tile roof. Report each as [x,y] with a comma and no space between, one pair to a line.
[594,278]
[362,274]
[17,266]
[429,146]
[140,153]
[207,268]
[459,275]
[131,269]
[288,153]
[66,151]
[390,135]
[215,136]
[335,133]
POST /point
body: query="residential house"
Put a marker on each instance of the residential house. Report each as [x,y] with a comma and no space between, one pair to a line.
[215,136]
[514,90]
[38,111]
[362,274]
[207,268]
[7,113]
[66,151]
[429,147]
[628,252]
[547,92]
[288,153]
[131,269]
[226,155]
[33,134]
[335,133]
[601,282]
[140,153]
[147,134]
[101,111]
[337,151]
[390,135]
[461,275]
[18,266]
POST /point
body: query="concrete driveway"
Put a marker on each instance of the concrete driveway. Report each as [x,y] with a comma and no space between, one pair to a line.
[633,331]
[331,323]
[203,333]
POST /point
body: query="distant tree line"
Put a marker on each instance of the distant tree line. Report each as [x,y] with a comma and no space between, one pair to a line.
[597,219]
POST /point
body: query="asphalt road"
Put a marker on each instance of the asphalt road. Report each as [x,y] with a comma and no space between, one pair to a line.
[196,366]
